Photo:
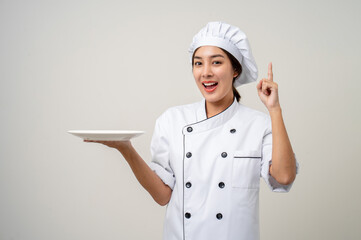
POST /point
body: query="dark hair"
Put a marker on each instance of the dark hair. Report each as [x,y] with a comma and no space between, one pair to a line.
[236,66]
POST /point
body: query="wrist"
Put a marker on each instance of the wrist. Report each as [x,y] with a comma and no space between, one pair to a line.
[124,148]
[275,110]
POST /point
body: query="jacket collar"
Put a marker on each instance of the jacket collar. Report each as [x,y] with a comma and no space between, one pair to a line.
[203,123]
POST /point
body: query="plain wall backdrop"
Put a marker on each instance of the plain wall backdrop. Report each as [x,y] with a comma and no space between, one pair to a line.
[68,65]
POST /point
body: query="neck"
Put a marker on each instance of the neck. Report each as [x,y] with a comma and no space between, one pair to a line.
[214,108]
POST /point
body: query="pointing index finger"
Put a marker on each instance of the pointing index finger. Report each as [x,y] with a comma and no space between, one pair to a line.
[270,73]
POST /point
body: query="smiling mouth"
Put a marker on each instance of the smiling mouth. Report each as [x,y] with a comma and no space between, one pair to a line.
[210,86]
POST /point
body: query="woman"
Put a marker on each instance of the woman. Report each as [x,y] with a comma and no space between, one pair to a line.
[207,157]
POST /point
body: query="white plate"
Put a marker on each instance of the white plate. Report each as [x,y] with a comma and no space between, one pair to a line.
[106,135]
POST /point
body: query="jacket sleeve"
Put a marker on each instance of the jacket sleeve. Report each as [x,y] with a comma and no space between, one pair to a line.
[159,148]
[266,161]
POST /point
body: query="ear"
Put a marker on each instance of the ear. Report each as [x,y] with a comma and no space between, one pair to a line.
[235,74]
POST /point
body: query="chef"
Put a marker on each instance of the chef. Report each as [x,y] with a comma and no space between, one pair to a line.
[208,157]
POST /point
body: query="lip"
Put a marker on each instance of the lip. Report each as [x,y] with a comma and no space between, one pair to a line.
[210,89]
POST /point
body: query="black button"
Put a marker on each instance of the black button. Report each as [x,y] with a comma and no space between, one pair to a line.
[233,130]
[224,154]
[189,154]
[221,185]
[189,129]
[188,184]
[219,216]
[187,215]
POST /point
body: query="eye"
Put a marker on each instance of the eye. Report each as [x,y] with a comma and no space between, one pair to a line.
[197,63]
[217,62]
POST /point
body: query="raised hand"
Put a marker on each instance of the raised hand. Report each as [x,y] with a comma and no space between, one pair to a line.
[268,91]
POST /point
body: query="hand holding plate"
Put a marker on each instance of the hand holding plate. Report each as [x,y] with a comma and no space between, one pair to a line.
[119,145]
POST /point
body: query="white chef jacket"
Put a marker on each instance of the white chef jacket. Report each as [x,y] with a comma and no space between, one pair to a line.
[213,165]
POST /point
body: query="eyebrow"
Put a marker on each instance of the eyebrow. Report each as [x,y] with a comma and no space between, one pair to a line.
[213,56]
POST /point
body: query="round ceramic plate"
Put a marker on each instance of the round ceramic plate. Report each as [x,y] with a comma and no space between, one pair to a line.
[106,135]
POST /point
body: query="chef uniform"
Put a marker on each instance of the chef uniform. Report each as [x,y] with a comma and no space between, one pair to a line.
[213,165]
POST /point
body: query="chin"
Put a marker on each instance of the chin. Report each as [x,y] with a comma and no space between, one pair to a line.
[212,98]
[217,98]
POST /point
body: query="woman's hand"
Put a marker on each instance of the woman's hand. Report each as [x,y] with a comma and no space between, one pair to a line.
[268,91]
[283,167]
[119,145]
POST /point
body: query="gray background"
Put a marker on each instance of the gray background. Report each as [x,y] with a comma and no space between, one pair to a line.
[118,65]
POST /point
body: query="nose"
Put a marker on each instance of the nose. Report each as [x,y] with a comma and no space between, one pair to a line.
[207,71]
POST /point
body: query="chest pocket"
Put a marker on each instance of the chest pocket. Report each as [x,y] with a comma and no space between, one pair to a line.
[246,169]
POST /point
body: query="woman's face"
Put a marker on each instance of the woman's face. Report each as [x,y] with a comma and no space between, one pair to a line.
[213,73]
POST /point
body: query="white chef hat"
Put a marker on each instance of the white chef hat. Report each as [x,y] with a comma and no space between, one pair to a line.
[234,41]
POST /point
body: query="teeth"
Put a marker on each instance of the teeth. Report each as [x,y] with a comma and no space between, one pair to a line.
[209,84]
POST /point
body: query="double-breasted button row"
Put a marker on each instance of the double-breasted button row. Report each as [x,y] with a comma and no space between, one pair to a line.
[219,216]
[220,185]
[190,129]
[189,154]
